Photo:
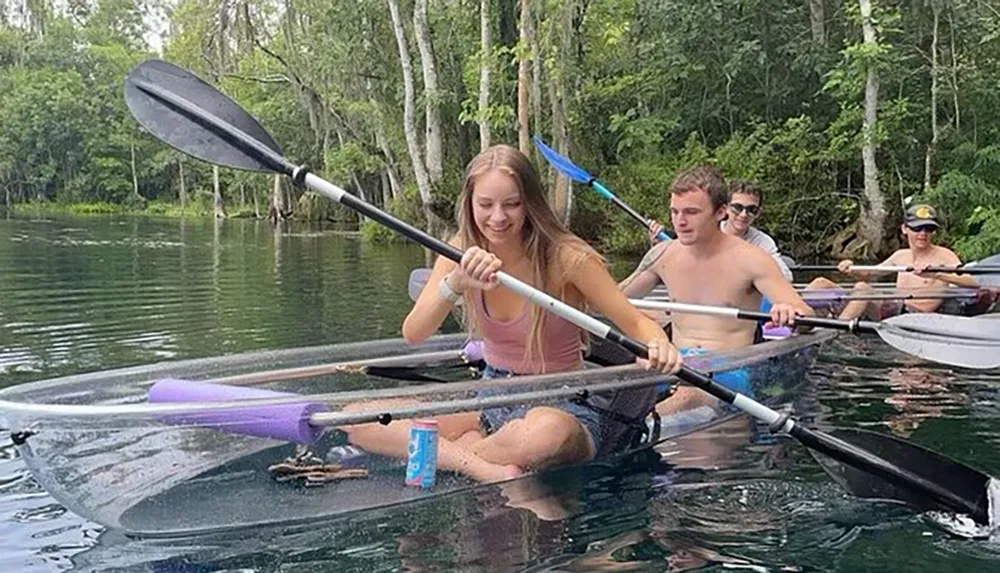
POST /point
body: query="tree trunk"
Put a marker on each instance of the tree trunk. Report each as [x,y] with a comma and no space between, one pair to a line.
[536,71]
[432,97]
[817,21]
[276,206]
[554,175]
[409,125]
[872,224]
[395,187]
[256,207]
[486,55]
[523,133]
[220,208]
[361,191]
[562,190]
[135,176]
[387,191]
[932,148]
[183,189]
[954,72]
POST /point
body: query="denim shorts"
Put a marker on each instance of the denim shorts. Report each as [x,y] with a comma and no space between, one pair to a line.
[492,419]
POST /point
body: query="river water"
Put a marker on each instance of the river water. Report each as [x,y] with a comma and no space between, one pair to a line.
[85,294]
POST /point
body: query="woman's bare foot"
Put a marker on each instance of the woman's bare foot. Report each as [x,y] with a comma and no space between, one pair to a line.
[486,472]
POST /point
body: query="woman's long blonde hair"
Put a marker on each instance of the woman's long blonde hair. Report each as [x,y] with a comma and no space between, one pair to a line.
[543,235]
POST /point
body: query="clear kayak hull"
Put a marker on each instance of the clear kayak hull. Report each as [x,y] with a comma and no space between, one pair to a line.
[96,444]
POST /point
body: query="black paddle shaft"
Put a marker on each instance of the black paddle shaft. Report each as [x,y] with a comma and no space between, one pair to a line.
[961,269]
[819,322]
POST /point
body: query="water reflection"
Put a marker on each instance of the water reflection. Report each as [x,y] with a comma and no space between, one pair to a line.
[95,293]
[917,394]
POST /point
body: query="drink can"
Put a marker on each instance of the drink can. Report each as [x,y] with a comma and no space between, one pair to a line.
[421,464]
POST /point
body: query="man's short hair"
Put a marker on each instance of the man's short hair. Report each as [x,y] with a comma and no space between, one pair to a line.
[707,179]
[746,188]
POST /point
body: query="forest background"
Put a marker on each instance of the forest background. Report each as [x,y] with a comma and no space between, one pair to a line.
[843,110]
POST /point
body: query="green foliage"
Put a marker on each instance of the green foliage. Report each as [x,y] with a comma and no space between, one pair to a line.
[166,209]
[651,87]
[983,239]
[97,209]
[351,158]
[406,207]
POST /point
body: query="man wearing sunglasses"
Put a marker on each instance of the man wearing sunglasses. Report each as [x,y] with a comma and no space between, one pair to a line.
[745,200]
[919,227]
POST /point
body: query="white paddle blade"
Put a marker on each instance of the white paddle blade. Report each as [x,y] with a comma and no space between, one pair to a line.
[418,280]
[954,340]
[989,280]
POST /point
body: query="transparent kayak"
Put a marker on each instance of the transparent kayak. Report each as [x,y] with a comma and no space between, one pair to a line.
[98,445]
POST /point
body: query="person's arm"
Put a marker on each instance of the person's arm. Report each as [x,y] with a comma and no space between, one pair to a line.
[643,279]
[845,267]
[431,307]
[593,280]
[950,258]
[954,279]
[448,282]
[786,303]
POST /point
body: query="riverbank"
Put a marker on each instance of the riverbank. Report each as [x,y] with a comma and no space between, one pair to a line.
[152,208]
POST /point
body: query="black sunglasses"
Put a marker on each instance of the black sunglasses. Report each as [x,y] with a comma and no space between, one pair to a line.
[929,229]
[738,208]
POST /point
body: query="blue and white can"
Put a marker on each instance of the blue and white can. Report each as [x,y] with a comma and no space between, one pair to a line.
[421,464]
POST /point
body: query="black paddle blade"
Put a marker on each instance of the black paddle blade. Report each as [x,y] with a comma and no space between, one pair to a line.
[453,372]
[172,104]
[968,484]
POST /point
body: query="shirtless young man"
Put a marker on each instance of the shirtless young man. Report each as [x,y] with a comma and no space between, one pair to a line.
[743,207]
[709,267]
[918,228]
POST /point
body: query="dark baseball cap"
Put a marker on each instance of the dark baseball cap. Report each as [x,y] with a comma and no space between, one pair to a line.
[921,216]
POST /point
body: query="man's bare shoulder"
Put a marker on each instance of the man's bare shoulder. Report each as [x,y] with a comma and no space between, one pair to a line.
[667,259]
[900,257]
[944,255]
[665,250]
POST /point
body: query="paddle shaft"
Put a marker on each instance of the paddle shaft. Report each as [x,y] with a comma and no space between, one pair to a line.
[726,312]
[827,444]
[580,175]
[836,324]
[607,194]
[969,269]
[814,297]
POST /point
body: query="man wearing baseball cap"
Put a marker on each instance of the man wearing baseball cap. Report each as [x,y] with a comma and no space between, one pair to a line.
[919,225]
[922,216]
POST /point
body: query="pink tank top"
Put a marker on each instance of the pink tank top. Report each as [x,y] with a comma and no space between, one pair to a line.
[506,342]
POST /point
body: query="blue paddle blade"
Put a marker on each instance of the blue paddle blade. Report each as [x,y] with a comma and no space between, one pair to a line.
[563,164]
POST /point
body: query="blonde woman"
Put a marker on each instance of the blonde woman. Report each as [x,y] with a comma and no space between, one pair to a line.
[505,223]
